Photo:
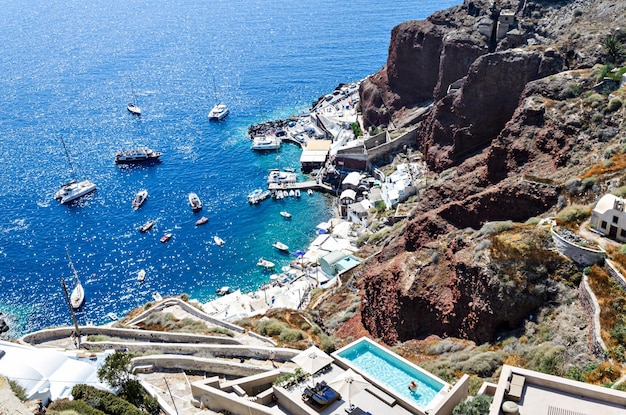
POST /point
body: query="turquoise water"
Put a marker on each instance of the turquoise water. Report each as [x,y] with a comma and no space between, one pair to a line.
[392,372]
[68,68]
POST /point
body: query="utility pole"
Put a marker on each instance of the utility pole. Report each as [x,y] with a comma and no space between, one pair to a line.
[67,298]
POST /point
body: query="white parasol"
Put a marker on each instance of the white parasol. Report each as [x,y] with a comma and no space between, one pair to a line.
[312,359]
[348,384]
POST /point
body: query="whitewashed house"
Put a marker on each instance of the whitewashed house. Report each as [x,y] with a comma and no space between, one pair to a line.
[398,186]
[608,217]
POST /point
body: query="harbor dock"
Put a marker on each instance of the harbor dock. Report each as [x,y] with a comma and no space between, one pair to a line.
[310,184]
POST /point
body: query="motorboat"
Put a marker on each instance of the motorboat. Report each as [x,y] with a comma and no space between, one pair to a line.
[218,112]
[264,263]
[156,296]
[281,177]
[297,193]
[223,291]
[141,275]
[218,241]
[280,246]
[140,198]
[292,193]
[194,201]
[74,189]
[113,316]
[137,155]
[258,195]
[146,226]
[265,143]
[77,298]
[290,169]
[310,192]
[285,214]
[166,237]
[202,221]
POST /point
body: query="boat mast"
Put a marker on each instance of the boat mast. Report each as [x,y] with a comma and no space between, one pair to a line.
[69,303]
[72,265]
[69,159]
[132,88]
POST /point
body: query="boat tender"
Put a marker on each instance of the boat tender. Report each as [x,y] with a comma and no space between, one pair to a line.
[219,241]
[280,246]
[194,201]
[140,198]
[264,263]
[141,275]
[202,221]
[146,226]
[285,214]
[166,237]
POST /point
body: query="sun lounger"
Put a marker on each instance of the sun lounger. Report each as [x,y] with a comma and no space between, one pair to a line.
[320,399]
[515,388]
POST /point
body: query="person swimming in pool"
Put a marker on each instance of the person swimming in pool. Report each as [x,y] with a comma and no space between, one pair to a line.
[412,386]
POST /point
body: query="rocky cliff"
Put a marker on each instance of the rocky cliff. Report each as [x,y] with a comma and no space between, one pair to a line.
[513,113]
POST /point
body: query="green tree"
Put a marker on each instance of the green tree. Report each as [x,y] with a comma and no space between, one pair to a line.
[116,370]
[613,49]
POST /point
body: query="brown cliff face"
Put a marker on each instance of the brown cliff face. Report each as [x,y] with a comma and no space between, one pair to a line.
[466,121]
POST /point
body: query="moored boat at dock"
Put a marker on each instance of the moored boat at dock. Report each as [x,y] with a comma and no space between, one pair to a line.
[265,143]
[258,195]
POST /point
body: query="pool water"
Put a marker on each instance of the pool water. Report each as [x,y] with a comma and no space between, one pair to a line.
[392,372]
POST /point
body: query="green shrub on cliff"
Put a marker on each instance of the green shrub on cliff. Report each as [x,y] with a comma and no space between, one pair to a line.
[270,327]
[574,214]
[614,104]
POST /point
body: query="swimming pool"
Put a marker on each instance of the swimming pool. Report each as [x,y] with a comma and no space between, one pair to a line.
[392,372]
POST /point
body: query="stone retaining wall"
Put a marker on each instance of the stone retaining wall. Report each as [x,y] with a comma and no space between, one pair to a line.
[591,306]
[615,274]
[578,254]
[229,351]
[145,335]
[197,364]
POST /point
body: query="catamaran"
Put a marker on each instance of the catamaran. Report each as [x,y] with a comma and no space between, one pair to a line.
[74,189]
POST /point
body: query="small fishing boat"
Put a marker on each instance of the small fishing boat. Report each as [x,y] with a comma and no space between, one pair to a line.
[194,201]
[310,192]
[219,241]
[280,246]
[140,198]
[202,221]
[264,263]
[166,237]
[223,291]
[141,275]
[285,214]
[297,192]
[292,193]
[146,226]
[156,296]
[113,316]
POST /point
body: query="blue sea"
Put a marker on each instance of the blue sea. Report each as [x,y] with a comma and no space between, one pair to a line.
[68,69]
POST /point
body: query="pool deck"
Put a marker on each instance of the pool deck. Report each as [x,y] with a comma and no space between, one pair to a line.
[371,399]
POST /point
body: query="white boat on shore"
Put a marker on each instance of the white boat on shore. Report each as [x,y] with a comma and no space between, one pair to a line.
[141,275]
[194,201]
[140,198]
[285,214]
[264,263]
[280,246]
[218,241]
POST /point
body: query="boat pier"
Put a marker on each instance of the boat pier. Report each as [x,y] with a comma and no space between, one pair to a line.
[311,184]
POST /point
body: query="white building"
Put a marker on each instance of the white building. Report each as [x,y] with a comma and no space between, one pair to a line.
[398,186]
[608,217]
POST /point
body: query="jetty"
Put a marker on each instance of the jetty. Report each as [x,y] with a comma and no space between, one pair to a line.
[311,184]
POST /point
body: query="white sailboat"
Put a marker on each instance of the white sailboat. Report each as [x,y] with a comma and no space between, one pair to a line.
[219,111]
[132,107]
[77,298]
[73,190]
